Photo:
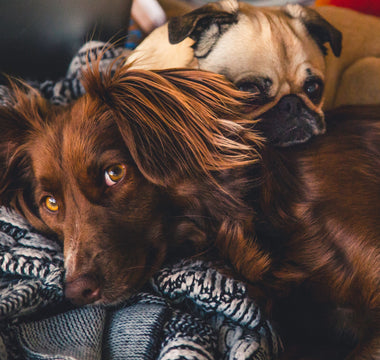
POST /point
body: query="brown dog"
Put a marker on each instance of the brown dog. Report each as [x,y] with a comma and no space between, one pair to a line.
[278,52]
[100,174]
[143,163]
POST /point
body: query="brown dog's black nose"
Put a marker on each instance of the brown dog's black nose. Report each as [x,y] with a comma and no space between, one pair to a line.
[83,290]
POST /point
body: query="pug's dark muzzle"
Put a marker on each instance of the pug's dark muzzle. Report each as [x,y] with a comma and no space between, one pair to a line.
[291,122]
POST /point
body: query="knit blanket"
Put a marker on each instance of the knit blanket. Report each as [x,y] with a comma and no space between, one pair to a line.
[189,310]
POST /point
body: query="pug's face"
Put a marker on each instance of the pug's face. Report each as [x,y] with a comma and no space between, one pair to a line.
[276,53]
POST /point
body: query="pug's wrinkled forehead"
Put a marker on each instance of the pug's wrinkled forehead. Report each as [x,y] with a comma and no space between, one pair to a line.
[273,50]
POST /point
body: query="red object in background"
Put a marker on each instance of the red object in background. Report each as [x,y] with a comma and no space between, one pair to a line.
[371,7]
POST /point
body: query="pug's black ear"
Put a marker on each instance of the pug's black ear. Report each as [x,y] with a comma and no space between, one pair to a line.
[204,25]
[319,28]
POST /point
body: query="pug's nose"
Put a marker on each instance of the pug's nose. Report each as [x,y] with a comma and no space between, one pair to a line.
[290,104]
[83,290]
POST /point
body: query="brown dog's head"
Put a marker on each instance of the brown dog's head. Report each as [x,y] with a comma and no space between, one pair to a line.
[277,52]
[99,174]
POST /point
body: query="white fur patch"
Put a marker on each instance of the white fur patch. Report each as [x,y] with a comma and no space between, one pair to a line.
[207,40]
[155,52]
[229,5]
[295,10]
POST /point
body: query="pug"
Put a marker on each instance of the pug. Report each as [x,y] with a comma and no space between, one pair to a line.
[289,56]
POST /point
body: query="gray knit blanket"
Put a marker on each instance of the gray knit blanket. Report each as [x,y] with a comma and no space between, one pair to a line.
[188,311]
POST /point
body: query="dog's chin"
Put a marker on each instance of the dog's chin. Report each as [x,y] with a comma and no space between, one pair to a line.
[111,290]
[108,297]
[115,294]
[292,136]
[119,291]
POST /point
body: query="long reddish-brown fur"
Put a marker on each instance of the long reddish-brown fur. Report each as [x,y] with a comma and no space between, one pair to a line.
[300,225]
[319,219]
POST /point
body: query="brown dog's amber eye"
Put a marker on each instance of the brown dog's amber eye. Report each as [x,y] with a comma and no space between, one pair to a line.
[51,204]
[114,174]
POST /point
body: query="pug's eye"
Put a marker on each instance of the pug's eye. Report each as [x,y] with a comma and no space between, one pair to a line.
[115,174]
[313,89]
[250,87]
[51,204]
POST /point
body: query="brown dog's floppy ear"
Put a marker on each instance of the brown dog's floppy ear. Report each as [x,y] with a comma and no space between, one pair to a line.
[20,114]
[319,29]
[204,25]
[176,123]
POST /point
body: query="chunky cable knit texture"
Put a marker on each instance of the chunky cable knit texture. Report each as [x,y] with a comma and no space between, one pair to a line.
[189,311]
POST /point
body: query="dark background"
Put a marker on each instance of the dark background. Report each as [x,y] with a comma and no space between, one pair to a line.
[38,38]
